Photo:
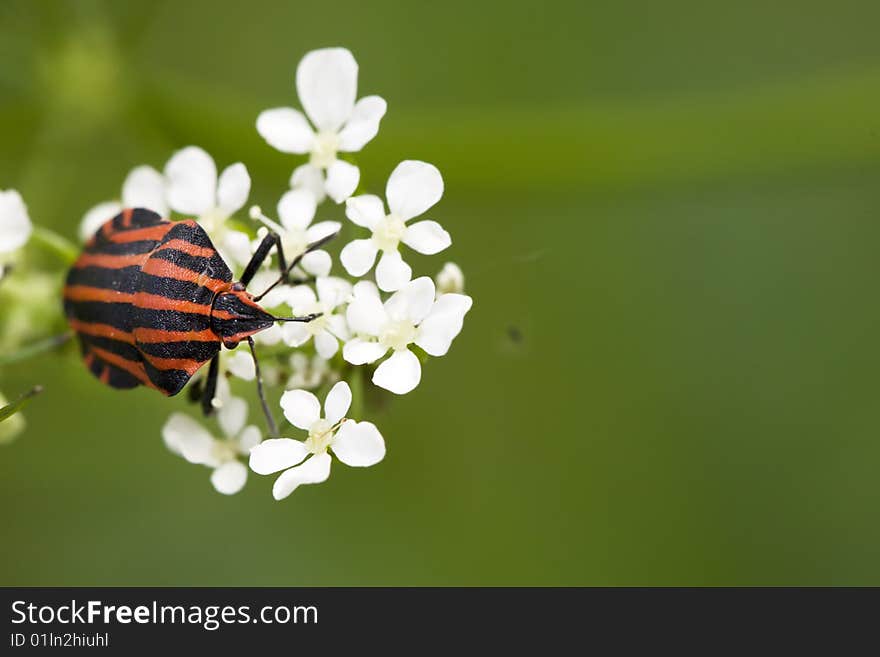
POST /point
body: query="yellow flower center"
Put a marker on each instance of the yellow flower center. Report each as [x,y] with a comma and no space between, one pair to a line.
[398,334]
[324,149]
[320,436]
[223,451]
[388,232]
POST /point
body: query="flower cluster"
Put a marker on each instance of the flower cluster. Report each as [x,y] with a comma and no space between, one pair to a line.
[374,321]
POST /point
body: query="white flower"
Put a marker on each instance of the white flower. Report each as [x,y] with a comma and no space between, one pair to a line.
[144,187]
[15,224]
[240,363]
[449,280]
[356,444]
[326,82]
[410,316]
[296,210]
[186,437]
[327,329]
[194,189]
[309,373]
[412,188]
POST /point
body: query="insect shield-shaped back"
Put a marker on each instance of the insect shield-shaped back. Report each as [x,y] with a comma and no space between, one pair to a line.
[236,316]
[140,298]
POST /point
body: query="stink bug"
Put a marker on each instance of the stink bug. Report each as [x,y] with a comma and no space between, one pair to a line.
[152,301]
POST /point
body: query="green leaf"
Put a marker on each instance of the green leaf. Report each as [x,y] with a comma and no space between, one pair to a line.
[11,409]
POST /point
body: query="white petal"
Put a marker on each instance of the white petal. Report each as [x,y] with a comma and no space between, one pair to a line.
[249,439]
[192,181]
[337,403]
[426,237]
[224,391]
[237,246]
[413,188]
[91,221]
[300,298]
[326,81]
[358,256]
[313,471]
[321,230]
[233,188]
[365,210]
[310,178]
[317,263]
[296,209]
[286,130]
[301,408]
[332,290]
[342,179]
[229,478]
[277,454]
[443,323]
[15,224]
[240,363]
[184,436]
[232,416]
[367,315]
[176,429]
[144,187]
[413,301]
[359,444]
[392,273]
[338,326]
[271,336]
[326,345]
[365,289]
[363,124]
[361,352]
[400,374]
[295,334]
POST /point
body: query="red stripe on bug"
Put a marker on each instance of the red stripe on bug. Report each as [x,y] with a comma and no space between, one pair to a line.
[151,233]
[165,269]
[140,300]
[148,336]
[101,331]
[189,248]
[87,293]
[110,261]
[157,302]
[135,369]
[188,365]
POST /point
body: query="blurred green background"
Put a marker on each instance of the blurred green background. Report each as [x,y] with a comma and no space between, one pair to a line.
[667,214]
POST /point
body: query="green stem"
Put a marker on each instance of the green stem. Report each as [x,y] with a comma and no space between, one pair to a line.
[11,409]
[356,383]
[56,244]
[35,349]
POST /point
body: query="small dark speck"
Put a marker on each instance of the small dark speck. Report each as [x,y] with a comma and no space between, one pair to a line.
[514,334]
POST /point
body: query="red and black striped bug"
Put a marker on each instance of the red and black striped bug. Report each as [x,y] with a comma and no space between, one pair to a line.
[152,301]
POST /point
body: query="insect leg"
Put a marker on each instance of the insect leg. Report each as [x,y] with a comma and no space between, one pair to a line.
[270,421]
[260,256]
[317,244]
[210,386]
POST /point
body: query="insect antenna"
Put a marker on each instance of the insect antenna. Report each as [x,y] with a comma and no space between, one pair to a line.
[317,244]
[270,421]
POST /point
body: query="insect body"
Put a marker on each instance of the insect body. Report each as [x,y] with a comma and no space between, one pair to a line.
[152,301]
